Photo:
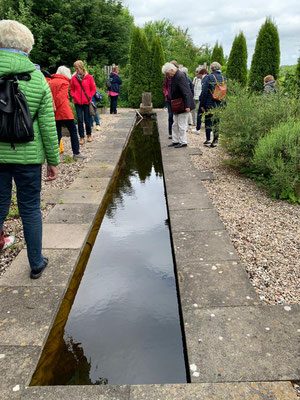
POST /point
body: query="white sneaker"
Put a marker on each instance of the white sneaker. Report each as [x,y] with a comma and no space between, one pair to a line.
[79,155]
[8,241]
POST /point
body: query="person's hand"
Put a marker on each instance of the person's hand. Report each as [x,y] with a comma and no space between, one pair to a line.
[187,110]
[203,109]
[52,172]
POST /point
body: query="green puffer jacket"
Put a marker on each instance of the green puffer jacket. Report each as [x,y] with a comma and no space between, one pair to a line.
[38,95]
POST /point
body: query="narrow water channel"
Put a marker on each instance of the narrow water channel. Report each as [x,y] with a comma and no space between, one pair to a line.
[124,325]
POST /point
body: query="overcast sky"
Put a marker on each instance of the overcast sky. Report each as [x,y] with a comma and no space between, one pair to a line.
[222,20]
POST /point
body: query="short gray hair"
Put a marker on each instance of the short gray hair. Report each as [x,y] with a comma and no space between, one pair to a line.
[65,71]
[184,70]
[215,66]
[14,35]
[168,67]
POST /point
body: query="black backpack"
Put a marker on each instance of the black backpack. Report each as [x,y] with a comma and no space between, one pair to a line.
[16,124]
[108,82]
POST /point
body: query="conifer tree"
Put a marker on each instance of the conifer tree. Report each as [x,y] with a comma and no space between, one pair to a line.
[139,58]
[297,80]
[237,61]
[266,57]
[156,76]
[218,54]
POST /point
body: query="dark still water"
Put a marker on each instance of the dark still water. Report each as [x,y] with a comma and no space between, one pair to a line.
[124,325]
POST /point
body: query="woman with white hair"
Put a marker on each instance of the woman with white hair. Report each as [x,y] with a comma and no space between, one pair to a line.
[181,92]
[59,85]
[23,161]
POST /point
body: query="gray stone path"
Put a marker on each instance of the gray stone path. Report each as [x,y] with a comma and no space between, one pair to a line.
[234,343]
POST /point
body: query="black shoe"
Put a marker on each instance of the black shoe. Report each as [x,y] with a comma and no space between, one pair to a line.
[36,273]
[173,144]
[206,142]
[213,144]
[179,145]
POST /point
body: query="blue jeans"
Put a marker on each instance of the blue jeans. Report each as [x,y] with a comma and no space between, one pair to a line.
[70,124]
[170,112]
[95,117]
[28,182]
[82,111]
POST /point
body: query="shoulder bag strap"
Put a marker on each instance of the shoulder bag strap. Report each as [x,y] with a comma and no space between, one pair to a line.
[83,90]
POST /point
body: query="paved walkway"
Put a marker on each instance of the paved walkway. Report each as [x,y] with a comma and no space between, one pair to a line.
[237,348]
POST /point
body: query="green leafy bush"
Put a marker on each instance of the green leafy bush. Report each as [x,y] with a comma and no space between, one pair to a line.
[249,117]
[277,156]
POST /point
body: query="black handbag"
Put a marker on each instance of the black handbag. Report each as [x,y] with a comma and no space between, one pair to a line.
[92,107]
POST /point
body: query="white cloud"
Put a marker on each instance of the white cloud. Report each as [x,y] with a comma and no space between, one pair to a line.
[213,21]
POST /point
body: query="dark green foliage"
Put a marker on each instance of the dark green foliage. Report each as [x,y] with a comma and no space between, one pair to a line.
[297,76]
[139,58]
[237,62]
[156,76]
[249,117]
[176,42]
[266,57]
[277,157]
[96,31]
[218,54]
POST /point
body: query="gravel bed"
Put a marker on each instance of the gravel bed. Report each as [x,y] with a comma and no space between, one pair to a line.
[264,231]
[68,171]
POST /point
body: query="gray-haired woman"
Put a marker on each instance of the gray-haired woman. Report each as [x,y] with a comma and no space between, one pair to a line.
[179,90]
[23,162]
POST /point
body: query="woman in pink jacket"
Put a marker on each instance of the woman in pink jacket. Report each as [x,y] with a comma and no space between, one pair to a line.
[82,82]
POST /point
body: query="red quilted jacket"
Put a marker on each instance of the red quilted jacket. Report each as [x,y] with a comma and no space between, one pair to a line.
[76,91]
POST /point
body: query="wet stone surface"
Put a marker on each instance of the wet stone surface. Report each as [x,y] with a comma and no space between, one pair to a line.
[243,343]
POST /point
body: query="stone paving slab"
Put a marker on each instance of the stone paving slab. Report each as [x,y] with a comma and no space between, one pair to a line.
[195,220]
[26,314]
[105,156]
[72,214]
[58,196]
[97,392]
[203,246]
[188,187]
[61,265]
[182,202]
[104,170]
[59,236]
[215,391]
[90,183]
[232,344]
[219,284]
[16,365]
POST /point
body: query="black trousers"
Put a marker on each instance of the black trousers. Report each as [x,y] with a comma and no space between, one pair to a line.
[113,104]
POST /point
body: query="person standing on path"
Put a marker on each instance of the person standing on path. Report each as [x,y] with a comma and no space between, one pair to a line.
[59,85]
[97,97]
[208,103]
[167,93]
[180,90]
[114,89]
[197,82]
[23,161]
[80,82]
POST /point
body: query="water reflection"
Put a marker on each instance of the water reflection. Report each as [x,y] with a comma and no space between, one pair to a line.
[124,325]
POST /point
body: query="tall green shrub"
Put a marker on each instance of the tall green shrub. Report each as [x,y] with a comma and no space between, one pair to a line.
[218,54]
[266,57]
[139,67]
[237,62]
[297,75]
[249,117]
[277,157]
[156,76]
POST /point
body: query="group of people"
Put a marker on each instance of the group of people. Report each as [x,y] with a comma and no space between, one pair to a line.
[184,98]
[48,102]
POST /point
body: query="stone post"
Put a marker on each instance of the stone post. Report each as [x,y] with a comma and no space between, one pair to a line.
[146,104]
